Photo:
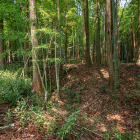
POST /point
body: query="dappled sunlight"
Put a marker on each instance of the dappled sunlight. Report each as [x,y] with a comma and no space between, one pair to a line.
[59,111]
[116,117]
[120,128]
[130,78]
[101,127]
[105,73]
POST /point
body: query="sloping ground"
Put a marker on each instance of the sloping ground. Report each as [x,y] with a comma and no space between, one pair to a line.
[97,102]
[86,105]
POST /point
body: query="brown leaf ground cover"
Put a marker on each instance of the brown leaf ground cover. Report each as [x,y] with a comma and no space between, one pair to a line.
[85,91]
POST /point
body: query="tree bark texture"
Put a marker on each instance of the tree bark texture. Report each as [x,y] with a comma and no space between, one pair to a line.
[109,46]
[66,35]
[2,62]
[139,34]
[26,43]
[87,53]
[98,35]
[83,32]
[36,87]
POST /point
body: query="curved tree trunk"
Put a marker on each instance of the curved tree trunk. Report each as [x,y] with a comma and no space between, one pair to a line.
[35,56]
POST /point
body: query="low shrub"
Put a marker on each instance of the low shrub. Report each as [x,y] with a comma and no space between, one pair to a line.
[12,86]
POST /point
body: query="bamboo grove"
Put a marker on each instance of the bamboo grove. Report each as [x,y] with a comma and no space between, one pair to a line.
[42,35]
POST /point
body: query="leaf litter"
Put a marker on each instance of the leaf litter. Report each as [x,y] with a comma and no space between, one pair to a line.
[96,109]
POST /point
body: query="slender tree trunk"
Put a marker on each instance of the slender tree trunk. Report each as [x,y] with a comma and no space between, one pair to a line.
[87,53]
[66,35]
[98,35]
[93,50]
[36,87]
[133,33]
[131,45]
[112,29]
[109,46]
[119,36]
[66,41]
[2,60]
[83,32]
[57,53]
[58,9]
[9,53]
[139,34]
[73,43]
[26,43]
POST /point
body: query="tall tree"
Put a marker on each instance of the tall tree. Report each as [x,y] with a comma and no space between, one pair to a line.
[139,33]
[98,34]
[87,53]
[26,43]
[93,50]
[66,34]
[2,62]
[119,35]
[133,33]
[109,46]
[36,87]
[57,53]
[83,31]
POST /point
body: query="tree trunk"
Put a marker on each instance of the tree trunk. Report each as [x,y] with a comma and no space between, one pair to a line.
[98,34]
[87,53]
[26,43]
[9,53]
[2,60]
[119,36]
[57,53]
[131,45]
[139,34]
[133,33]
[93,50]
[66,35]
[73,43]
[36,87]
[83,32]
[109,46]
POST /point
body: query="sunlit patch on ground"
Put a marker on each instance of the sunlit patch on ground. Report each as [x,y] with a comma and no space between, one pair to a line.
[116,117]
[101,127]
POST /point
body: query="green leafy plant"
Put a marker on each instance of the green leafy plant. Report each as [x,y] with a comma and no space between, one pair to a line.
[97,120]
[12,86]
[73,77]
[73,96]
[8,117]
[84,117]
[82,88]
[107,134]
[103,88]
[63,89]
[66,129]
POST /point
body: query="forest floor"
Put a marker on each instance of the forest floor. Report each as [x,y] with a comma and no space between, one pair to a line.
[85,109]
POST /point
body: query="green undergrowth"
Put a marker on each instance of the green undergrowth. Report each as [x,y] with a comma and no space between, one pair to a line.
[12,86]
[30,109]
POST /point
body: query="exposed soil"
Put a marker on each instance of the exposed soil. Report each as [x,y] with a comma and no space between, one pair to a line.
[97,104]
